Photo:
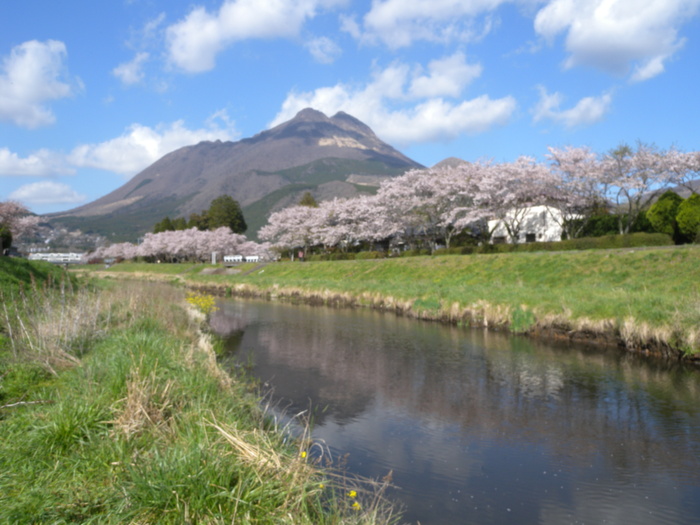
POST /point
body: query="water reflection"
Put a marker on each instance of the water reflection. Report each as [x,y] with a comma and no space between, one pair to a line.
[479,427]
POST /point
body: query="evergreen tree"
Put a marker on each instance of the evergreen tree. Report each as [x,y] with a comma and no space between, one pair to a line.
[179,224]
[199,221]
[5,238]
[308,200]
[225,211]
[166,225]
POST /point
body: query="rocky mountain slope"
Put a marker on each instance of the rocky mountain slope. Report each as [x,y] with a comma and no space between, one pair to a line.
[336,156]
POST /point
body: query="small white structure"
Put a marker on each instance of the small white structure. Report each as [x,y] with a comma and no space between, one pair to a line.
[252,258]
[233,259]
[537,224]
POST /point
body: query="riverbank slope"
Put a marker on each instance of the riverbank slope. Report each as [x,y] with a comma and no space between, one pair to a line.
[646,300]
[113,409]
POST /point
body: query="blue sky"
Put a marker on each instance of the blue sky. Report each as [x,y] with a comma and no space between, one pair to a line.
[92,92]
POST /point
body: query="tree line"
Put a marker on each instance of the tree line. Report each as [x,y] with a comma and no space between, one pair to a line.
[224,211]
[425,207]
[217,229]
[189,245]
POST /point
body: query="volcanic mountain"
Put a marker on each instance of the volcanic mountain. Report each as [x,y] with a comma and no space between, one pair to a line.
[330,157]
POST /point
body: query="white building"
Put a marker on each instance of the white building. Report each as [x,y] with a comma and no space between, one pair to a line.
[536,224]
[58,258]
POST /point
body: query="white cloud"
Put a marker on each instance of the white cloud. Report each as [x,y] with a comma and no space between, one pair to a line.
[398,23]
[587,111]
[348,24]
[140,146]
[436,120]
[391,106]
[447,77]
[47,192]
[131,72]
[29,77]
[650,68]
[38,164]
[194,42]
[324,50]
[617,35]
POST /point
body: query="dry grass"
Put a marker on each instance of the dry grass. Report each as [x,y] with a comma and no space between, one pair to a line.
[52,326]
[253,448]
[147,406]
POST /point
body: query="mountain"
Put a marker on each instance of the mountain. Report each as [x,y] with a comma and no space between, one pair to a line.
[449,162]
[330,157]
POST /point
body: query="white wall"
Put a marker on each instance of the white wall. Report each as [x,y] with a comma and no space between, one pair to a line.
[537,220]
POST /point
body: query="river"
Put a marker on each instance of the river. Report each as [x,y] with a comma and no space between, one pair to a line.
[480,427]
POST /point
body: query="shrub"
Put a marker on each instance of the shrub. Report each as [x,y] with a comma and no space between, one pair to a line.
[662,214]
[414,253]
[448,251]
[606,242]
[689,217]
[370,255]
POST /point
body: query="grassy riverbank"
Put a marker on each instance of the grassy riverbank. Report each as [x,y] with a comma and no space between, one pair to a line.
[646,299]
[113,410]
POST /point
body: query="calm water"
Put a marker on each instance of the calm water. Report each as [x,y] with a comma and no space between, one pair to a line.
[481,428]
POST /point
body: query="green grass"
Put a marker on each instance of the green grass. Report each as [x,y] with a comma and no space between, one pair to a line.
[587,283]
[164,269]
[142,426]
[656,290]
[16,273]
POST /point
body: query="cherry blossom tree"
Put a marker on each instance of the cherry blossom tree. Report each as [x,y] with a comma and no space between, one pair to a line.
[357,220]
[398,199]
[425,206]
[187,245]
[577,187]
[17,218]
[293,227]
[685,168]
[632,179]
[507,192]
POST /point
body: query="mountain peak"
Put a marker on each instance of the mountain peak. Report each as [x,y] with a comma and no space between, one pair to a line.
[262,173]
[349,122]
[310,115]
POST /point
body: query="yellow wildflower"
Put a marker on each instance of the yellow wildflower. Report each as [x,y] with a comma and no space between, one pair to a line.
[205,303]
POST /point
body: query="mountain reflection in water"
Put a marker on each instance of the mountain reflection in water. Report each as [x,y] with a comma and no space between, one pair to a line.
[479,427]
